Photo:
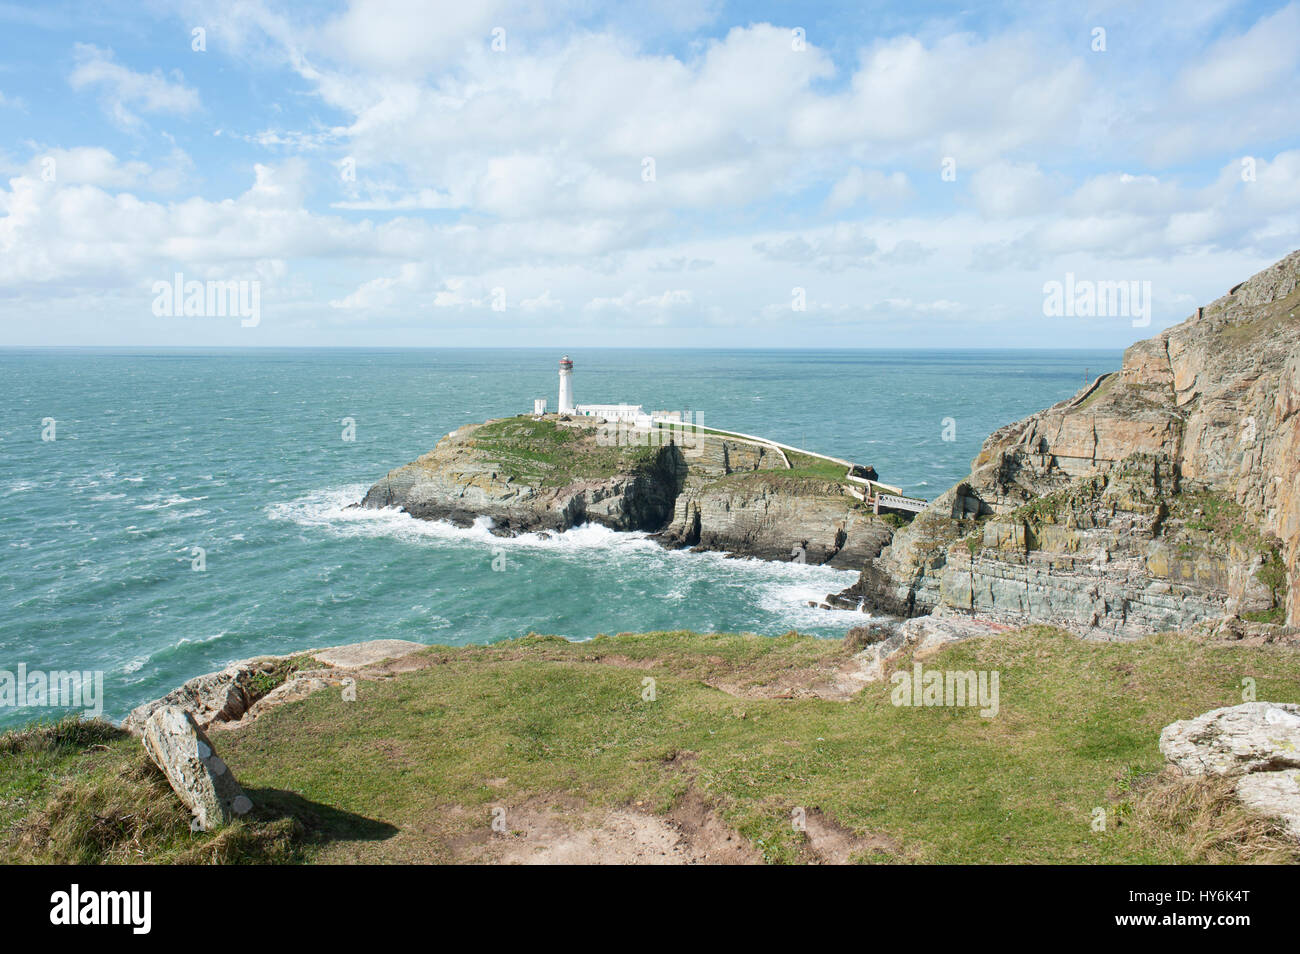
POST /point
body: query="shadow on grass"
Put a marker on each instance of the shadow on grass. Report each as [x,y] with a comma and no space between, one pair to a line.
[321,824]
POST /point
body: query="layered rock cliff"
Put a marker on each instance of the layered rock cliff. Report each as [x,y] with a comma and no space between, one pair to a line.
[692,489]
[1160,495]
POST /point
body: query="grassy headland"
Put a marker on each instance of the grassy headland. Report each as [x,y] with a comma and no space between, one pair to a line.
[546,454]
[412,770]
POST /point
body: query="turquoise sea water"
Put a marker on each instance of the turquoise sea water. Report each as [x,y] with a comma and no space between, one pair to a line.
[241,453]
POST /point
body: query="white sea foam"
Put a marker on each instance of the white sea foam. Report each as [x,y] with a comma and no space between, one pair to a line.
[197,640]
[159,502]
[779,588]
[19,487]
[332,511]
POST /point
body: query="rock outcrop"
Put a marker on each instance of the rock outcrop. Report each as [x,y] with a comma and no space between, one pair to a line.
[245,689]
[1257,741]
[1160,495]
[214,697]
[1235,740]
[695,489]
[922,636]
[194,770]
[1276,794]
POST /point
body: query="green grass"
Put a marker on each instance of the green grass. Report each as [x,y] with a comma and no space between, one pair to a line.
[1101,391]
[807,465]
[84,792]
[547,454]
[417,762]
[278,673]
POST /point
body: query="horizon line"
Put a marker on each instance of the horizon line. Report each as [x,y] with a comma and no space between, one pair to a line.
[557,348]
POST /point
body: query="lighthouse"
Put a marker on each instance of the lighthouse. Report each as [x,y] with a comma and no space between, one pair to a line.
[566,386]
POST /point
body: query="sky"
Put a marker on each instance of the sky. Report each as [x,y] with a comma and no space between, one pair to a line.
[688,173]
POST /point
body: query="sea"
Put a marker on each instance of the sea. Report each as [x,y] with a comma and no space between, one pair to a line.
[166,512]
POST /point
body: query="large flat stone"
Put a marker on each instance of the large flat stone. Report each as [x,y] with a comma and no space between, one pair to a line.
[1235,740]
[1274,793]
[358,655]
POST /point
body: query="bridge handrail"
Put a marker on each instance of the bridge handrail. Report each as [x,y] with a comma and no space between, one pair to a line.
[900,502]
[903,502]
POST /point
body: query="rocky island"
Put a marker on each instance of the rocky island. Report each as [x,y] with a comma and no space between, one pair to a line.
[689,486]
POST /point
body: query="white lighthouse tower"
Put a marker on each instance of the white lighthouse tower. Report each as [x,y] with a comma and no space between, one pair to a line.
[566,386]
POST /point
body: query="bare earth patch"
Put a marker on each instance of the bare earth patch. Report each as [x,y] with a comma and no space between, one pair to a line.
[830,843]
[562,831]
[837,683]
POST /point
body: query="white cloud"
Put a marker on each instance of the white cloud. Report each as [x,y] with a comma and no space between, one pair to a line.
[1008,190]
[525,169]
[406,36]
[964,97]
[834,249]
[870,184]
[543,302]
[1241,66]
[637,299]
[123,92]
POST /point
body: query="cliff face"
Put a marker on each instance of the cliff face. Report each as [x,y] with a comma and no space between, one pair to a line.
[1160,495]
[703,490]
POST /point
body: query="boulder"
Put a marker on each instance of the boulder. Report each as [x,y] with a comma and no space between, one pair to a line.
[194,770]
[1274,793]
[299,687]
[1236,740]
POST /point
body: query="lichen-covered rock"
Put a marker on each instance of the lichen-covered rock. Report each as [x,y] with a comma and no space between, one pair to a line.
[215,697]
[1159,496]
[195,772]
[1236,740]
[1274,793]
[249,687]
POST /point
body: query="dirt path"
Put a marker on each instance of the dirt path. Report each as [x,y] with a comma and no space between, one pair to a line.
[561,831]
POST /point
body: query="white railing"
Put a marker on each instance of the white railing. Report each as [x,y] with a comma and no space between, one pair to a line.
[874,490]
[914,504]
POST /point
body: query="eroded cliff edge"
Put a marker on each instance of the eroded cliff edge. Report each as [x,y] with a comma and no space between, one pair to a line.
[1161,495]
[690,488]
